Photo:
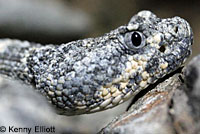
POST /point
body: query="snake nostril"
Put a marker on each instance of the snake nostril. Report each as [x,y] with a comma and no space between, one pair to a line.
[176,29]
[162,49]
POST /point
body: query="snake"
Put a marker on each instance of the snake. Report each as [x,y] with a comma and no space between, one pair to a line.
[95,74]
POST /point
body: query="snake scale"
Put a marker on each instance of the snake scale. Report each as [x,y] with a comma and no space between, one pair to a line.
[95,74]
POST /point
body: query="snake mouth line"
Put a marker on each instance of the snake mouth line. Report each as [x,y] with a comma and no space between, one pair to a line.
[152,86]
[113,97]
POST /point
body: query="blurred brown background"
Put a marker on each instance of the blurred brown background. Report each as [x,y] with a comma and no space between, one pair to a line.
[61,21]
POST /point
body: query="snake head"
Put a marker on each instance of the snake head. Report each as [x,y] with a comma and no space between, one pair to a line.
[161,45]
[144,50]
[95,74]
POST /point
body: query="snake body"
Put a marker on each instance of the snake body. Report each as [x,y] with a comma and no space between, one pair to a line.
[95,74]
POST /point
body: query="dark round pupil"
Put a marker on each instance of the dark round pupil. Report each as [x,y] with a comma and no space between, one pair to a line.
[136,39]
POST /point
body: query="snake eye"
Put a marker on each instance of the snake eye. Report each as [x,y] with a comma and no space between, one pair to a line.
[134,40]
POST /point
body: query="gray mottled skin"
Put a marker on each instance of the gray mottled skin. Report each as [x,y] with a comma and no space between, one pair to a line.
[72,75]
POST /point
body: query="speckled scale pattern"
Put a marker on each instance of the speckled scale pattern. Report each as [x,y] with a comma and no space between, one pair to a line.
[95,74]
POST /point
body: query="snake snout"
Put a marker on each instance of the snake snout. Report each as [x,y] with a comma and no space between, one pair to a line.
[182,30]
